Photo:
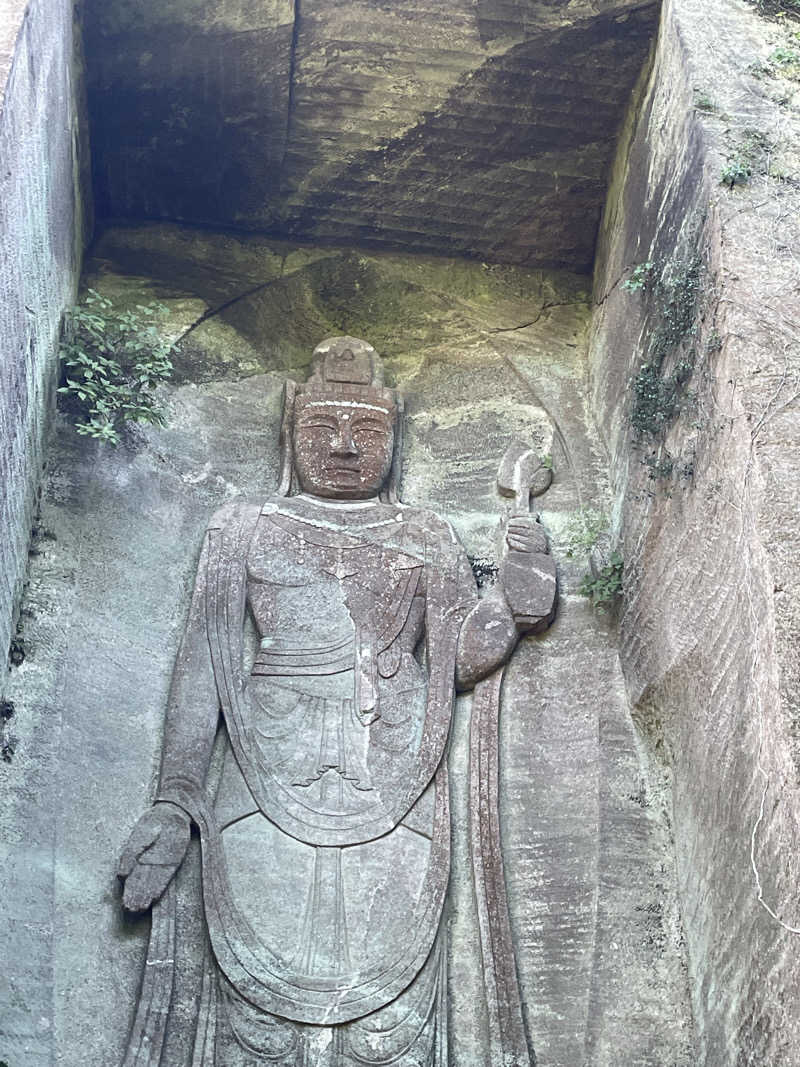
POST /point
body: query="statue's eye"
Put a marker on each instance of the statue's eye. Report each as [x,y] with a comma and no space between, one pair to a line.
[318,424]
[370,426]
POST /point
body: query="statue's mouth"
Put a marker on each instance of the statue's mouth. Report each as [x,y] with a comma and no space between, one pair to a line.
[342,469]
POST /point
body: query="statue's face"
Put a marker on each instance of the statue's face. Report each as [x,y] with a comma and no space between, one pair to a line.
[342,448]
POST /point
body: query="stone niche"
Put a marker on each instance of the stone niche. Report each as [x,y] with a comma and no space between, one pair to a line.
[484,132]
[484,354]
[519,207]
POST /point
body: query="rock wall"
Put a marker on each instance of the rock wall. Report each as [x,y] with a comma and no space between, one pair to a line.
[487,132]
[695,378]
[41,240]
[483,354]
[650,798]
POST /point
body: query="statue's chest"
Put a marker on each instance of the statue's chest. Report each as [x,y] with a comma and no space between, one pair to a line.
[318,590]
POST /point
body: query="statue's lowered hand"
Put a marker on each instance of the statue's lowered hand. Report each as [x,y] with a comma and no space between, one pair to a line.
[153,854]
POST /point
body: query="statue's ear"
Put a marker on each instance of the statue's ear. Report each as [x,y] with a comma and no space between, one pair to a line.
[286,446]
[391,494]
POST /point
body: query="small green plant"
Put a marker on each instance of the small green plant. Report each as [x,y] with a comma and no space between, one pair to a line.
[657,393]
[737,171]
[640,278]
[113,362]
[759,70]
[8,741]
[678,293]
[582,532]
[787,62]
[704,102]
[778,9]
[655,400]
[784,56]
[659,466]
[753,155]
[17,649]
[606,585]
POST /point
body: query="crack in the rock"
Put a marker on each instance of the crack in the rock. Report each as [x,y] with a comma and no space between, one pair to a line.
[613,286]
[209,313]
[545,307]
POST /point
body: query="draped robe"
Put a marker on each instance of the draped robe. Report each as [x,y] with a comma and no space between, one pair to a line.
[324,845]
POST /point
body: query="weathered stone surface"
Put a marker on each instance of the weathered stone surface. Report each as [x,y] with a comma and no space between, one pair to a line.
[325,837]
[491,354]
[249,303]
[40,247]
[709,629]
[485,130]
[12,18]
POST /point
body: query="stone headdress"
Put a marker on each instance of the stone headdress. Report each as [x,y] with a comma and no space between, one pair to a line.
[343,368]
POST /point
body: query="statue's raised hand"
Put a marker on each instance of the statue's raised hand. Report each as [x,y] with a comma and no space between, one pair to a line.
[153,854]
[528,574]
[524,533]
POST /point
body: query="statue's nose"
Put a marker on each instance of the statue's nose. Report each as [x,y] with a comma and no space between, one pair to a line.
[343,444]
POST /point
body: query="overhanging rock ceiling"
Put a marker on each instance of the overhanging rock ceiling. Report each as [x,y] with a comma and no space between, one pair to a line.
[476,127]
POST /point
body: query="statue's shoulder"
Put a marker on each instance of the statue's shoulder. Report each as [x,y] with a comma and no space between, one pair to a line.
[236,514]
[429,524]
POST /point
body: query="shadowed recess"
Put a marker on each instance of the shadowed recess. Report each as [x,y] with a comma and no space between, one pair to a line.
[487,134]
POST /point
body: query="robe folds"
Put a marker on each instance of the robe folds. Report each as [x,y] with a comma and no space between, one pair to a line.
[305,926]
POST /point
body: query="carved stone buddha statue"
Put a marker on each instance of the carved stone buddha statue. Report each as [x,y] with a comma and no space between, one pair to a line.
[305,741]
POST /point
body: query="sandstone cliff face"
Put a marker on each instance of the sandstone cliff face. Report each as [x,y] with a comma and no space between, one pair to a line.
[483,354]
[40,250]
[649,855]
[708,493]
[483,129]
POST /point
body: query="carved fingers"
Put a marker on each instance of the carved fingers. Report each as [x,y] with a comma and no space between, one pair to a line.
[154,851]
[528,575]
[145,885]
[526,534]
